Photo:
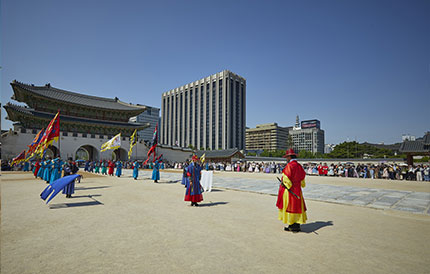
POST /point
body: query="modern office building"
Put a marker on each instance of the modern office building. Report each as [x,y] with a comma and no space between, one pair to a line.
[209,113]
[152,116]
[309,138]
[267,137]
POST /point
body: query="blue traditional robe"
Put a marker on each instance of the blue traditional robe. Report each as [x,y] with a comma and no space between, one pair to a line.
[26,166]
[104,168]
[118,169]
[193,192]
[185,180]
[41,169]
[136,170]
[47,171]
[156,171]
[56,170]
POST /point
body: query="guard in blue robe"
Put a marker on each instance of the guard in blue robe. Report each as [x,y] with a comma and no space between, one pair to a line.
[41,169]
[193,192]
[87,166]
[118,172]
[56,170]
[26,166]
[47,171]
[70,168]
[156,172]
[135,170]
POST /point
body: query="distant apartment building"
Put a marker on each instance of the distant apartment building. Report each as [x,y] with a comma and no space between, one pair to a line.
[152,116]
[209,113]
[307,136]
[408,137]
[267,137]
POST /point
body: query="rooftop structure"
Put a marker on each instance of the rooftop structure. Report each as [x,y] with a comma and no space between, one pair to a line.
[415,148]
[78,112]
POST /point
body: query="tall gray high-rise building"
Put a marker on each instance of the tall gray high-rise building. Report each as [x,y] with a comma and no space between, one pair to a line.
[152,116]
[207,113]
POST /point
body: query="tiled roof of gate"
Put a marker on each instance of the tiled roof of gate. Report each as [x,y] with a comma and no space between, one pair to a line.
[65,118]
[76,98]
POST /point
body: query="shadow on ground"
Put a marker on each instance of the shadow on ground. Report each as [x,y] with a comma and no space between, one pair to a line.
[213,204]
[66,205]
[216,190]
[168,182]
[92,187]
[87,196]
[313,227]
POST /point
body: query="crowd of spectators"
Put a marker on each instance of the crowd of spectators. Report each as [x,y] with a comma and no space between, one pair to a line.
[349,170]
[420,172]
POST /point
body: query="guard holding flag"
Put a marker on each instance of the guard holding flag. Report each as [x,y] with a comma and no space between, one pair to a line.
[291,205]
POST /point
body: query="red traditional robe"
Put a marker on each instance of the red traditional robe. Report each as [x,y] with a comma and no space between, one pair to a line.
[36,169]
[291,209]
[111,167]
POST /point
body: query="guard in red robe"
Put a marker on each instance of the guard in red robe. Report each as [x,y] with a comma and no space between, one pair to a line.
[291,205]
[111,168]
[36,168]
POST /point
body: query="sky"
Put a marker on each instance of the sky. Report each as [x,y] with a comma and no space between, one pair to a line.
[361,67]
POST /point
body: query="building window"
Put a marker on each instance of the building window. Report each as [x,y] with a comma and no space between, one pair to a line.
[93,136]
[65,133]
[84,135]
[75,134]
[23,130]
[34,131]
[101,136]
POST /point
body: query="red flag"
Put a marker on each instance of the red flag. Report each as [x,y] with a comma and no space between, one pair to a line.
[153,146]
[19,158]
[52,132]
[32,147]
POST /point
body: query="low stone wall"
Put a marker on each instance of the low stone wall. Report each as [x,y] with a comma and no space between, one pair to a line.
[14,142]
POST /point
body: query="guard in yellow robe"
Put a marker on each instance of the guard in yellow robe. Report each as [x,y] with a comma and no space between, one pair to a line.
[291,205]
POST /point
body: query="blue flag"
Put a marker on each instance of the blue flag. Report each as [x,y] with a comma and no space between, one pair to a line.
[57,186]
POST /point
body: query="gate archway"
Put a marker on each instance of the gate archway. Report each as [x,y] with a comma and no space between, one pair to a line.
[119,154]
[87,153]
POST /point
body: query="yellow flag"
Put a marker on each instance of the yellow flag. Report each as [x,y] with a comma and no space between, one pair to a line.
[113,143]
[202,158]
[133,141]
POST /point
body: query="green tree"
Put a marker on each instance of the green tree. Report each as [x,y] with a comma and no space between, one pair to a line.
[290,141]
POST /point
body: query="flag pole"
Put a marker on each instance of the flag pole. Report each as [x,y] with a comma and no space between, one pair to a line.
[137,142]
[59,136]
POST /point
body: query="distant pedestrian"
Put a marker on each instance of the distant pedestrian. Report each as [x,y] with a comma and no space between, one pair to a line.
[135,170]
[156,171]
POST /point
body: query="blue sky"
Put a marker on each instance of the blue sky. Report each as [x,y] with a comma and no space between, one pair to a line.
[361,67]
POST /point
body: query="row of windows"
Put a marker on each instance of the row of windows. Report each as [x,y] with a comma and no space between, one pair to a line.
[203,124]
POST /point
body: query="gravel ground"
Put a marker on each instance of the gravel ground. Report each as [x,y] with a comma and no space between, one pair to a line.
[119,225]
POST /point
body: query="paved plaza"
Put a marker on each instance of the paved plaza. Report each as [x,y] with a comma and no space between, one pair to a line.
[412,201]
[121,225]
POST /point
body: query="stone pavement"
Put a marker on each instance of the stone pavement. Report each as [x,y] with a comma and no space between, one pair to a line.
[410,201]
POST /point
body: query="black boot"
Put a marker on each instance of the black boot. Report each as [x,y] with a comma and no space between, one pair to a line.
[295,227]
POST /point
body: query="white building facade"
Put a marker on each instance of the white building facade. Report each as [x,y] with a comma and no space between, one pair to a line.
[209,113]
